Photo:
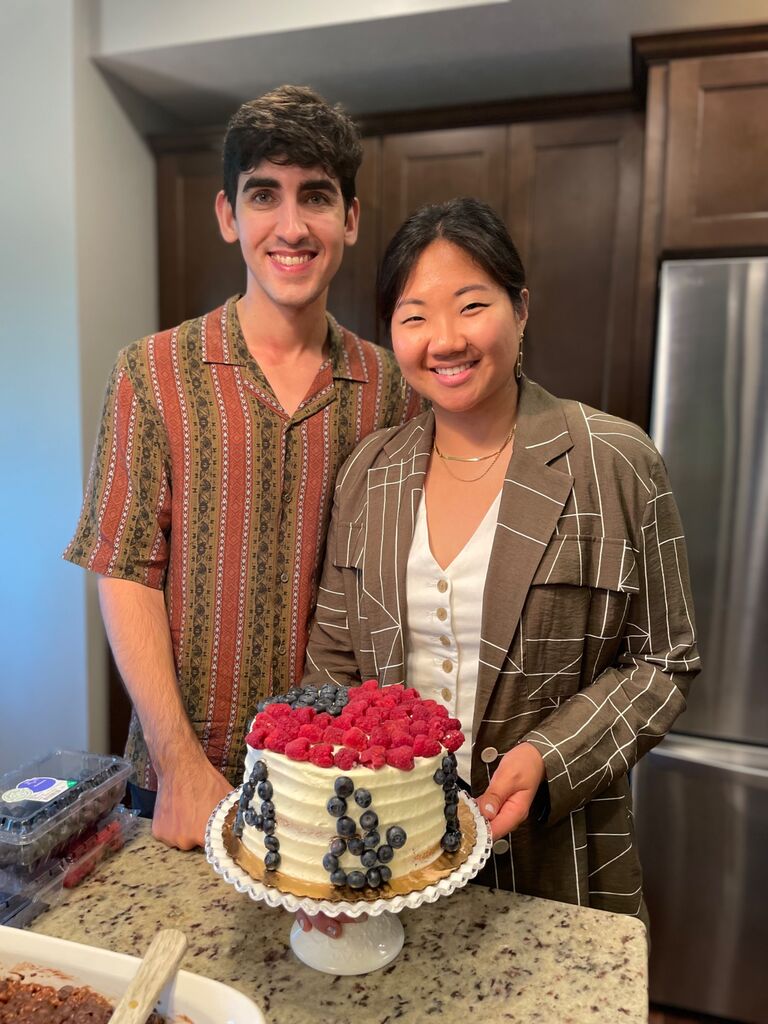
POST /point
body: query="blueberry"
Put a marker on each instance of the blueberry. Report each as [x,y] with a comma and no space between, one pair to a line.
[272,861]
[369,820]
[396,836]
[330,863]
[250,816]
[385,872]
[368,860]
[259,772]
[449,762]
[336,806]
[265,790]
[439,776]
[337,847]
[373,877]
[345,826]
[344,786]
[339,877]
[356,880]
[293,693]
[237,829]
[451,841]
[272,843]
[371,840]
[268,826]
[385,854]
[249,788]
[362,799]
[267,809]
[451,809]
[355,846]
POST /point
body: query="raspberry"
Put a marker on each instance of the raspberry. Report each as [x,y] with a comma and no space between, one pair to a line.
[400,757]
[453,740]
[304,715]
[380,737]
[453,724]
[345,721]
[264,718]
[321,755]
[418,727]
[298,749]
[423,746]
[333,734]
[311,732]
[402,738]
[346,758]
[370,720]
[369,685]
[276,741]
[357,708]
[387,702]
[279,710]
[398,713]
[419,713]
[290,726]
[257,735]
[373,757]
[440,711]
[355,738]
[436,729]
[323,720]
[410,694]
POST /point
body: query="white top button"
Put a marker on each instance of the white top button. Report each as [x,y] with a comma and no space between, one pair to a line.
[501,846]
[489,754]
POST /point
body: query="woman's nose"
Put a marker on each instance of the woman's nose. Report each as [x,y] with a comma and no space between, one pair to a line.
[446,340]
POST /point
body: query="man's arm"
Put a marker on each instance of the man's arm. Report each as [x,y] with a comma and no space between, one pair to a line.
[189,787]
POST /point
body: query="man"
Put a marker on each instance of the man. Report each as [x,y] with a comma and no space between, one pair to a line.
[209,497]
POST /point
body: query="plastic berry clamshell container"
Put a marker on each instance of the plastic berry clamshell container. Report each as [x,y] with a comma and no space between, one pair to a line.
[46,802]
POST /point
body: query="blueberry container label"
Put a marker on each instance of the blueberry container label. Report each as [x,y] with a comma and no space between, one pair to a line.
[41,789]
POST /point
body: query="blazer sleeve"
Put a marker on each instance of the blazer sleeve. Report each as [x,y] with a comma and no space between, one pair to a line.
[600,732]
[331,655]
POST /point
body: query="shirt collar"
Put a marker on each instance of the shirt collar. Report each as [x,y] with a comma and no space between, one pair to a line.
[222,341]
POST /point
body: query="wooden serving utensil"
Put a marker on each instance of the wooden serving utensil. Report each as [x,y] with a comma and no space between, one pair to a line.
[158,966]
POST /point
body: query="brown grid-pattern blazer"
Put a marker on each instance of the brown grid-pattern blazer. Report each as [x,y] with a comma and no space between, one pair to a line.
[588,641]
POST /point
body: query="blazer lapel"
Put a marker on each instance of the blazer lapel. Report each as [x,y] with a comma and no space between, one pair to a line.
[533,497]
[394,491]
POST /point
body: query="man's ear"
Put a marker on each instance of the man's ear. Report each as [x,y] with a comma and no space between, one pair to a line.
[226,218]
[352,222]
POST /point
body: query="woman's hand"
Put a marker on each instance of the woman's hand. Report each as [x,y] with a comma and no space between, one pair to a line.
[513,786]
[330,926]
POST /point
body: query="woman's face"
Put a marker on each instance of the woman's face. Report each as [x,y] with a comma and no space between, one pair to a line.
[456,334]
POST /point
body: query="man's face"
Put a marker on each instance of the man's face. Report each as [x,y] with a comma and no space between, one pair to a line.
[292,229]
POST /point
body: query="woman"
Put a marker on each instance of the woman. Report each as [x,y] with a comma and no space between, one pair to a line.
[519,558]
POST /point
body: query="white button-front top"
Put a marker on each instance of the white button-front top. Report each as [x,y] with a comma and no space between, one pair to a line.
[445,608]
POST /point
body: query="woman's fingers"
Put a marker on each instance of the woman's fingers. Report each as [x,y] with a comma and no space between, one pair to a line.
[330,926]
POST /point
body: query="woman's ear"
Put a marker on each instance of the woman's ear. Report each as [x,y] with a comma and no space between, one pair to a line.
[521,308]
[226,218]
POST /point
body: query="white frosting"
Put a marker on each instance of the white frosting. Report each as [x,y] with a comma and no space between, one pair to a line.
[411,799]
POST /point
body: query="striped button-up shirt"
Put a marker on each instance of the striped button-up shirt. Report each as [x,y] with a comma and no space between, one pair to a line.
[201,484]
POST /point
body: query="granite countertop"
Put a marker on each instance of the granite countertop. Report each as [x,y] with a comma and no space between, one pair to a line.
[479,953]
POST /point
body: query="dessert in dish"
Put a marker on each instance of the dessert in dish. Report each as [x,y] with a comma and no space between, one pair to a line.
[351,788]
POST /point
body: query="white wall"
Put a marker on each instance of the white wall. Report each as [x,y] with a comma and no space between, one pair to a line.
[77,281]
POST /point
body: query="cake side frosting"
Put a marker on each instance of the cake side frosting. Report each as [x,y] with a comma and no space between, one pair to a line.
[304,827]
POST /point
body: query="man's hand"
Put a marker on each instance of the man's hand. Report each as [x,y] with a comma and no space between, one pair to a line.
[330,926]
[186,797]
[513,786]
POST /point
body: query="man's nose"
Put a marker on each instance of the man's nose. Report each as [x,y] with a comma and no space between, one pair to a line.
[291,226]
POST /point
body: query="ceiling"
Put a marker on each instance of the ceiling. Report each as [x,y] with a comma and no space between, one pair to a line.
[481,53]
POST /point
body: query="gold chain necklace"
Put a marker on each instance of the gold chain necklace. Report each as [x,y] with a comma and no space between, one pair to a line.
[494,456]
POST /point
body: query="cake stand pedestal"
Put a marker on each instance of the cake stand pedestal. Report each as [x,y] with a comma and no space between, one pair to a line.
[365,945]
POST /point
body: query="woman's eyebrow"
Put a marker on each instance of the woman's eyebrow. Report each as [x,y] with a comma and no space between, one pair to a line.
[472,288]
[410,302]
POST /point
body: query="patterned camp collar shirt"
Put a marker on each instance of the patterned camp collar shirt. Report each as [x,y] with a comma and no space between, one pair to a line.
[203,486]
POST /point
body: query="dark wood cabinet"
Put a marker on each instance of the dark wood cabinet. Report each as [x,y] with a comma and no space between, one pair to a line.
[716,173]
[573,209]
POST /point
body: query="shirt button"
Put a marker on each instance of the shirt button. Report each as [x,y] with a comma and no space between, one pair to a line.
[445,693]
[442,614]
[501,846]
[442,586]
[283,577]
[447,665]
[489,754]
[445,640]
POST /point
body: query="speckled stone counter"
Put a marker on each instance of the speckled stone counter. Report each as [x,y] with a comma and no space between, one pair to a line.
[479,954]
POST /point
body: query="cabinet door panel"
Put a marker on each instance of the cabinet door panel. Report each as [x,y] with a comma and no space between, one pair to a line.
[716,184]
[431,167]
[573,211]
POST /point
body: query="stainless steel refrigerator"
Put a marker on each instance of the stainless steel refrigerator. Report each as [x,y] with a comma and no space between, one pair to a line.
[701,797]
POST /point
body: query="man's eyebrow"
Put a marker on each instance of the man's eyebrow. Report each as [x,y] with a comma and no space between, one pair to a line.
[254,182]
[318,185]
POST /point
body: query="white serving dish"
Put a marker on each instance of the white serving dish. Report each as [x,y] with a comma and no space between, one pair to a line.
[188,999]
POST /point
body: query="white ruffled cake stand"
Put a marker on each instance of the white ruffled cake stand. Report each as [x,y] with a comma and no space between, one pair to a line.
[368,944]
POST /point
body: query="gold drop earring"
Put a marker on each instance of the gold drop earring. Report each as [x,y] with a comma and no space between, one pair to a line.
[519,361]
